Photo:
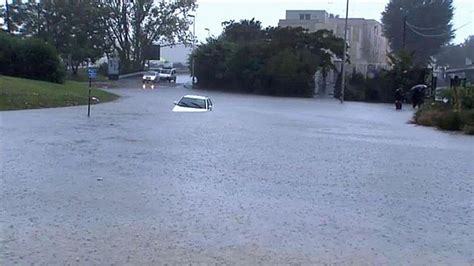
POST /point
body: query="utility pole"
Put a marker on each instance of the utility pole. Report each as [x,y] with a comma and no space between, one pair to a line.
[194,43]
[89,101]
[404,31]
[125,26]
[126,29]
[7,17]
[343,66]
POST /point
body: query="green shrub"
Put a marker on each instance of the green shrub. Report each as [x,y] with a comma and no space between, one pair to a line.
[381,87]
[469,129]
[30,58]
[427,118]
[103,69]
[442,116]
[7,54]
[467,118]
[466,96]
[449,121]
[355,89]
[354,93]
[373,89]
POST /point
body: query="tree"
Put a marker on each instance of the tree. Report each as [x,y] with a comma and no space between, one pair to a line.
[428,26]
[276,61]
[456,55]
[244,31]
[78,36]
[85,30]
[133,25]
[210,59]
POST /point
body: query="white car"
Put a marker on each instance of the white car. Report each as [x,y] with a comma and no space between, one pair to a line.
[151,76]
[193,104]
[168,74]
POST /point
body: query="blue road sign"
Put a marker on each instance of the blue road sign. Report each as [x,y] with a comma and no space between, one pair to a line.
[92,73]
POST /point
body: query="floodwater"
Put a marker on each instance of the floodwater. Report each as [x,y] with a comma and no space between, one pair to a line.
[259,180]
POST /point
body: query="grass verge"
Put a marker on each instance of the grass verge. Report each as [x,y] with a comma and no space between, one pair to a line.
[18,93]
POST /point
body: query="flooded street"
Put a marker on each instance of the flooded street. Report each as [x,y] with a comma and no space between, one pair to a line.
[257,180]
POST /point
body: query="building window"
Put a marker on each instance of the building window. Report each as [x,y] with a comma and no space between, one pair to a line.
[305,16]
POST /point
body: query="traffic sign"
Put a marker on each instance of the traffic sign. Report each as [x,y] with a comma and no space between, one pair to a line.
[92,72]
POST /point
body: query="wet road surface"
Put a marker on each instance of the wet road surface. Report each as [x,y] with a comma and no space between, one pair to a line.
[258,180]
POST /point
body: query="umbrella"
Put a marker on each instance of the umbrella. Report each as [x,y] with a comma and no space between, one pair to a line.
[420,87]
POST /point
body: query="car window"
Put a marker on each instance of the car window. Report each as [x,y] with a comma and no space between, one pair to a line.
[192,103]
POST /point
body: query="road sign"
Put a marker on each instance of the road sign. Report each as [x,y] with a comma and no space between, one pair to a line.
[92,72]
[151,52]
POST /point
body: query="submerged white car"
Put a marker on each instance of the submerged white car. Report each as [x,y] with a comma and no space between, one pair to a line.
[193,104]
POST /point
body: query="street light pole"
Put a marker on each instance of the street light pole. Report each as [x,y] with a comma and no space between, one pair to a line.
[194,43]
[343,66]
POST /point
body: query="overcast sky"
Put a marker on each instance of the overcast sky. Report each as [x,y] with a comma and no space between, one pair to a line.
[211,13]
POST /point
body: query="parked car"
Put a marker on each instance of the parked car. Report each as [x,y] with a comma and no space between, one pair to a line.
[151,76]
[193,103]
[168,74]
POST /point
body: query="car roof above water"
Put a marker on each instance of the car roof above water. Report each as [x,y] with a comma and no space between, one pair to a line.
[196,97]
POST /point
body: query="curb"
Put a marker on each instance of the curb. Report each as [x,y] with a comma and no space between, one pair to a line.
[131,75]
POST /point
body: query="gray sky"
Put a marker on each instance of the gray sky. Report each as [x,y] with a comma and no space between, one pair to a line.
[211,13]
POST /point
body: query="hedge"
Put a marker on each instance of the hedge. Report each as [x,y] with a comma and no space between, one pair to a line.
[29,58]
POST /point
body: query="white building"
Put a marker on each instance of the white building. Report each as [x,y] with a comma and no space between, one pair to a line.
[367,44]
[368,48]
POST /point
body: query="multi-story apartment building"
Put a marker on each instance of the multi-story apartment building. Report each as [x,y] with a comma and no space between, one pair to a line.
[368,47]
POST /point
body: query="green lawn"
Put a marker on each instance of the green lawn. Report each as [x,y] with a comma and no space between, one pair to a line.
[18,93]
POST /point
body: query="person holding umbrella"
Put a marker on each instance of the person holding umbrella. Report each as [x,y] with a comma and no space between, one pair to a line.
[418,94]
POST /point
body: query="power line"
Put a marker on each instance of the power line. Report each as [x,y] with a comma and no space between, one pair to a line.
[464,25]
[435,35]
[422,28]
[428,35]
